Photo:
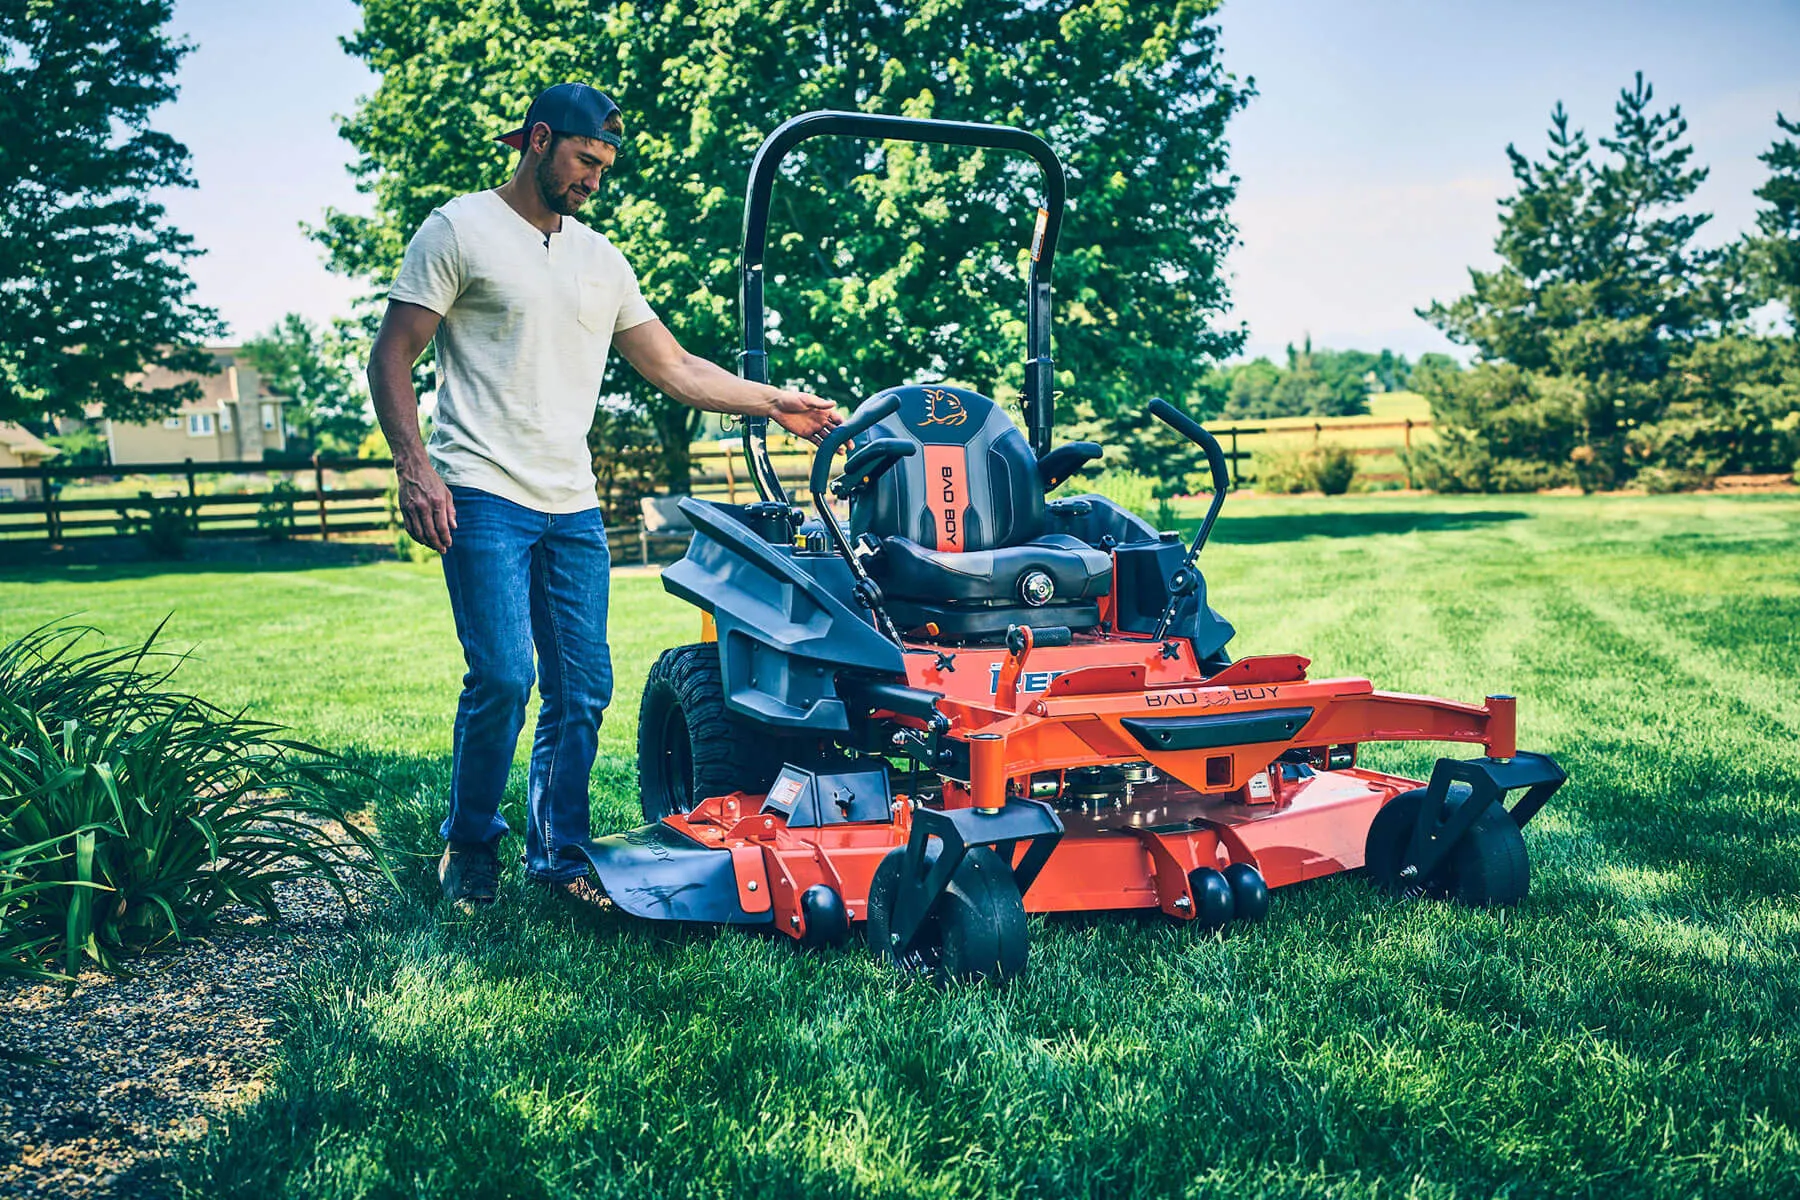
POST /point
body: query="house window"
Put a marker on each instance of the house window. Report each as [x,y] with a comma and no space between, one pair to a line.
[171,422]
[268,416]
[200,424]
[224,419]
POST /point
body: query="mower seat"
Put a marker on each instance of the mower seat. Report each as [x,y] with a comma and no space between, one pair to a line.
[961,525]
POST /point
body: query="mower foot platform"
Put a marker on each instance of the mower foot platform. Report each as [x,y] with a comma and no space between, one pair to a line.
[660,873]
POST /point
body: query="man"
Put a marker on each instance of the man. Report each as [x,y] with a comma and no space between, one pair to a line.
[523,301]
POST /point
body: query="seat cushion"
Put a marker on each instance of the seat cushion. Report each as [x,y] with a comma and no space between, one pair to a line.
[909,571]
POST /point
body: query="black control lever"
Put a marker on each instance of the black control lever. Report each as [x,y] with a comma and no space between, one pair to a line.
[1185,582]
[868,592]
[870,463]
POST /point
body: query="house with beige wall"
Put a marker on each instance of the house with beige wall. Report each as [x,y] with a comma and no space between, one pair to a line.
[236,418]
[19,447]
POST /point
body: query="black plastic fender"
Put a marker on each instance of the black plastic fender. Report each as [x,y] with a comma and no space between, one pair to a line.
[786,623]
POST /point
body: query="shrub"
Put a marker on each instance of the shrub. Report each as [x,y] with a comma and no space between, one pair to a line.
[407,550]
[275,515]
[162,523]
[1141,445]
[1281,471]
[1660,481]
[1458,462]
[1332,468]
[626,455]
[1327,469]
[1166,516]
[132,814]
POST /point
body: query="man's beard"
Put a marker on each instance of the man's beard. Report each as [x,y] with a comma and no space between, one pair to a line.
[563,201]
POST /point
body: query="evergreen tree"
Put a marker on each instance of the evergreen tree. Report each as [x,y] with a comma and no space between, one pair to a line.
[1776,250]
[93,281]
[1599,289]
[887,262]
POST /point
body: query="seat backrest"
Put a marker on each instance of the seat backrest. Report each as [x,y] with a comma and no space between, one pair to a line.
[973,485]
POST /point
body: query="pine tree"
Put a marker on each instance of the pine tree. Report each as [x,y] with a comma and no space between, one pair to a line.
[1776,252]
[93,280]
[1600,288]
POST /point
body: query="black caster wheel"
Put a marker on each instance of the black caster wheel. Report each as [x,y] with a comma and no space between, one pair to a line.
[976,930]
[1214,905]
[1249,894]
[827,923]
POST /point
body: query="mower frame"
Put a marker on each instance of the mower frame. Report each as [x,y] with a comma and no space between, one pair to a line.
[1240,776]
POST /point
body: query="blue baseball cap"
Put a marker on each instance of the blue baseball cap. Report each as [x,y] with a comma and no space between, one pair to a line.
[571,108]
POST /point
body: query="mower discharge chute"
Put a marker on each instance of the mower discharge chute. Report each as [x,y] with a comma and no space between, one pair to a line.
[974,703]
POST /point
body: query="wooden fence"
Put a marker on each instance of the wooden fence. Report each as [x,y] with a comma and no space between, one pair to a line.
[309,505]
[1319,428]
[314,505]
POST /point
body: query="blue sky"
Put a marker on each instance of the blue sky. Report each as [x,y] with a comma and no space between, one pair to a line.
[1370,162]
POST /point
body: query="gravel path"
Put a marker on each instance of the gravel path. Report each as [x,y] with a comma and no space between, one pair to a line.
[142,1063]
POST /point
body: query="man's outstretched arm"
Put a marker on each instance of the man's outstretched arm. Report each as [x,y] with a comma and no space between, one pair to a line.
[655,354]
[426,506]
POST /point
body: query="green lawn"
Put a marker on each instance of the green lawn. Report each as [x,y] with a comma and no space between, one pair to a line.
[1632,1029]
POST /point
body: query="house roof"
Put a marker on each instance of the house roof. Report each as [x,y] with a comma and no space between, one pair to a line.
[231,382]
[24,443]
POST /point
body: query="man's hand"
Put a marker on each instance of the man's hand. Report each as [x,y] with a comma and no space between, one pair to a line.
[805,415]
[426,506]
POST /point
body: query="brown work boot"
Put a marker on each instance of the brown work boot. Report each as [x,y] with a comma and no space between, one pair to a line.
[469,873]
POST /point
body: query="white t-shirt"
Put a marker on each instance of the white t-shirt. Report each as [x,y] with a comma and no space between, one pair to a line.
[522,346]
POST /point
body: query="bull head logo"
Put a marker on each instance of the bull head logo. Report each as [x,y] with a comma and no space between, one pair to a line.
[943,408]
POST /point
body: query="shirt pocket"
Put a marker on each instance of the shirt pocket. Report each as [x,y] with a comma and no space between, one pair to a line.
[595,313]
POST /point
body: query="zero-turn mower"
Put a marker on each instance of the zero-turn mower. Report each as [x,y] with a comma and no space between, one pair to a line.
[975,703]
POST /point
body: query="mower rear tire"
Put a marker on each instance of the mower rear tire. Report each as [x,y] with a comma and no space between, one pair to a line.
[690,746]
[1487,868]
[976,930]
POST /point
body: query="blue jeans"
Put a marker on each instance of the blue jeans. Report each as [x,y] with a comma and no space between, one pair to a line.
[521,579]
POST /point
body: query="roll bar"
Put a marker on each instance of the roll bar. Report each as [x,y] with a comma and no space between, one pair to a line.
[753,359]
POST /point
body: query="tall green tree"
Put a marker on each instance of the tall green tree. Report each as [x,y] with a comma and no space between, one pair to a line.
[93,280]
[318,369]
[1600,288]
[1776,247]
[887,262]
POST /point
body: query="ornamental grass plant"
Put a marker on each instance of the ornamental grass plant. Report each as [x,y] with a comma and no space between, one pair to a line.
[132,814]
